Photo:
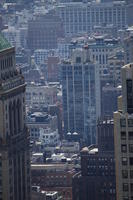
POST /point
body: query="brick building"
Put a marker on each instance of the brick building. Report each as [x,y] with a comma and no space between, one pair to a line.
[54,177]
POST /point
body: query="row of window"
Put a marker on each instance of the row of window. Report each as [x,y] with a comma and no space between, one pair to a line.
[124,148]
[124,136]
[123,122]
[126,188]
[125,161]
[5,63]
[126,174]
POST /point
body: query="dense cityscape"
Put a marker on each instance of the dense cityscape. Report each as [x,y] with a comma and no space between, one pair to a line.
[66,99]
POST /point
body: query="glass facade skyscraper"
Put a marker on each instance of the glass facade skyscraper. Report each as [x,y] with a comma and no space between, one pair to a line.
[81,96]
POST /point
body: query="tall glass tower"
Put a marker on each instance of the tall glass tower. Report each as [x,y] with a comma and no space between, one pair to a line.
[81,95]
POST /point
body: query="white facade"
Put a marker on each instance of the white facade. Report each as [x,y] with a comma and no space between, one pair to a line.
[49,137]
[40,96]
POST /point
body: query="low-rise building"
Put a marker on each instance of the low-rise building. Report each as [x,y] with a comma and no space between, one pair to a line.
[38,95]
[49,137]
[38,120]
[54,177]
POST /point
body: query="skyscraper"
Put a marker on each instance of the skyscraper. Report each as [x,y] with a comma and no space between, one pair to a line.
[81,95]
[14,141]
[123,134]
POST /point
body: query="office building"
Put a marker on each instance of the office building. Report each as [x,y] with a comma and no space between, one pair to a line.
[14,137]
[110,94]
[40,37]
[96,181]
[115,63]
[40,96]
[81,95]
[100,50]
[82,17]
[123,134]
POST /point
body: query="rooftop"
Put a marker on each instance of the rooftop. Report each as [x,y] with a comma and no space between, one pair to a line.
[4,44]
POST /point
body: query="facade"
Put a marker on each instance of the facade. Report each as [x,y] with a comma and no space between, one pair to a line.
[110,94]
[100,50]
[33,74]
[56,110]
[63,47]
[123,133]
[49,137]
[116,62]
[40,56]
[96,181]
[81,95]
[14,138]
[81,17]
[38,120]
[105,139]
[128,47]
[40,37]
[53,69]
[39,96]
[54,177]
[108,30]
[45,195]
[1,23]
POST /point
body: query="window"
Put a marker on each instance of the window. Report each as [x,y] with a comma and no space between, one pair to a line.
[125,187]
[123,135]
[130,148]
[124,161]
[78,59]
[131,173]
[130,122]
[131,160]
[124,148]
[130,135]
[129,96]
[122,122]
[131,187]
[124,174]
